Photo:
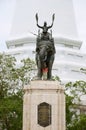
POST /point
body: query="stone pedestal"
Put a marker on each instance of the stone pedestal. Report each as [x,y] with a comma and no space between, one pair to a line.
[44,106]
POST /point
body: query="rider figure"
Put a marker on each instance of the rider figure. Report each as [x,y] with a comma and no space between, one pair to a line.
[45,34]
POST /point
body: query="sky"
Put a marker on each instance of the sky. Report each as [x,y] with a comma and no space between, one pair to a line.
[7,9]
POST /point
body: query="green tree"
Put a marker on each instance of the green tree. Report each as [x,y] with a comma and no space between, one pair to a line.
[74,92]
[12,80]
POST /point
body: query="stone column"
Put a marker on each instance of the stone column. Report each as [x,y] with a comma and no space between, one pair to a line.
[44,106]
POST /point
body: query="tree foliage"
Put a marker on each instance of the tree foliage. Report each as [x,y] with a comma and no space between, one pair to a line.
[74,93]
[12,80]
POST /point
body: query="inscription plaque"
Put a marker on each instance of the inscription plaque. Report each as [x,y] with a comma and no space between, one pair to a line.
[44,114]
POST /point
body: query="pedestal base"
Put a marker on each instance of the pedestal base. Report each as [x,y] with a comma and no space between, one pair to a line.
[44,106]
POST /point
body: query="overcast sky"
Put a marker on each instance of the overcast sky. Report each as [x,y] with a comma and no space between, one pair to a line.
[7,9]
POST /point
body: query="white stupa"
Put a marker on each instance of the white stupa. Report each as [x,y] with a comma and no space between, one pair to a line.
[21,44]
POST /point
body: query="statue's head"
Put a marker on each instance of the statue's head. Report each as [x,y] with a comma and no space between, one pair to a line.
[45,23]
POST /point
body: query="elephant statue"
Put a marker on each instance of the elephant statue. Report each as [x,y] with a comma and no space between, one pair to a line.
[45,51]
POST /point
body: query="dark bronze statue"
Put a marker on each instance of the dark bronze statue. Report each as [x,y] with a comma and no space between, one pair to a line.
[45,49]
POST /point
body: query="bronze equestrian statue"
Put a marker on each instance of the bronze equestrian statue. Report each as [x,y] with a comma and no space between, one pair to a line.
[45,50]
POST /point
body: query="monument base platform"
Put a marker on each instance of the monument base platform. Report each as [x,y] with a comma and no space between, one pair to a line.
[44,106]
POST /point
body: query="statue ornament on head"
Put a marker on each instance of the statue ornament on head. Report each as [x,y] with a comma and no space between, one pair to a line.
[45,27]
[45,50]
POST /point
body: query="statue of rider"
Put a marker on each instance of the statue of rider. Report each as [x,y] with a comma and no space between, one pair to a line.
[45,34]
[45,49]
